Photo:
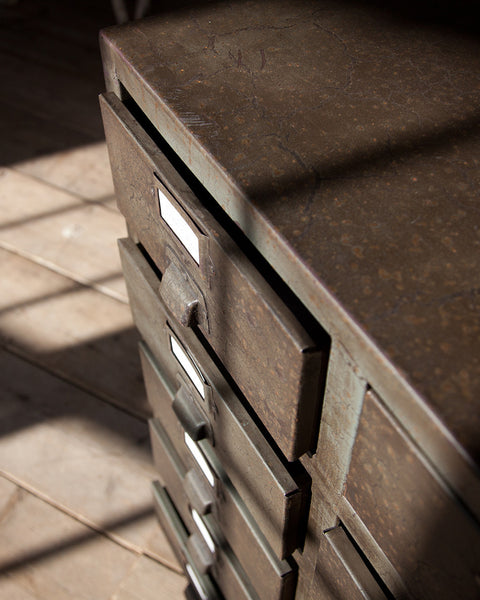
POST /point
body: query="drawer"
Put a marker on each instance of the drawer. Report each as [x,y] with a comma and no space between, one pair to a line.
[277,505]
[223,519]
[223,572]
[178,536]
[209,283]
[341,573]
[427,535]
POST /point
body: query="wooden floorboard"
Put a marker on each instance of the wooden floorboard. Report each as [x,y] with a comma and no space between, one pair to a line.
[76,512]
[51,75]
[82,455]
[18,143]
[45,553]
[71,330]
[61,230]
[83,171]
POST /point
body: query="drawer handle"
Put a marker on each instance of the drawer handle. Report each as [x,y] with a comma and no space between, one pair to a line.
[191,417]
[198,492]
[190,593]
[201,555]
[182,296]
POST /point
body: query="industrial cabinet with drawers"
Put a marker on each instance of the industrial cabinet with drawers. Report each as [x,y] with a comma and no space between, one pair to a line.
[300,186]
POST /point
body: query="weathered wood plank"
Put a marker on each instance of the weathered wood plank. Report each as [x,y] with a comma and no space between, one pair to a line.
[83,171]
[25,135]
[73,237]
[81,455]
[150,581]
[71,330]
[45,553]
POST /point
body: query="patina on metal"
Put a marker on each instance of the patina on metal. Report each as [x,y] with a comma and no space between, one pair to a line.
[338,146]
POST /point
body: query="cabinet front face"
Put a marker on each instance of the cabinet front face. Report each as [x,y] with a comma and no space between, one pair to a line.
[233,566]
[178,535]
[338,578]
[208,283]
[212,437]
[213,574]
[239,446]
[424,531]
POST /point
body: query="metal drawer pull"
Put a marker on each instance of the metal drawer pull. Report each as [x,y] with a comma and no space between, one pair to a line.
[198,492]
[200,459]
[179,226]
[182,296]
[201,554]
[190,415]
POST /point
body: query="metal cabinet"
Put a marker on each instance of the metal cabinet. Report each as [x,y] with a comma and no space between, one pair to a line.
[302,265]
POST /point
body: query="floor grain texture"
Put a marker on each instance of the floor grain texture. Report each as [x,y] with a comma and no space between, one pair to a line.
[76,513]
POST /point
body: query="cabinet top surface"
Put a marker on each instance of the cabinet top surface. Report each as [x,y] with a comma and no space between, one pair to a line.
[345,143]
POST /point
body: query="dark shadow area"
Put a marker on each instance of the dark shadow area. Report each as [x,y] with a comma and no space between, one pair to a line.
[42,386]
[51,71]
[42,216]
[65,543]
[459,16]
[71,289]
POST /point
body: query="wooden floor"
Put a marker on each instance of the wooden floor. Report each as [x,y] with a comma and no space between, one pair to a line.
[76,517]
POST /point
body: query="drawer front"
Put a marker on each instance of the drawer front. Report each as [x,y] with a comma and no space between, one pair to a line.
[178,536]
[223,572]
[224,520]
[246,456]
[208,282]
[279,504]
[426,534]
[334,579]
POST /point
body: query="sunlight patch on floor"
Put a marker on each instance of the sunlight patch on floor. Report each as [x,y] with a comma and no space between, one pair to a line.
[84,171]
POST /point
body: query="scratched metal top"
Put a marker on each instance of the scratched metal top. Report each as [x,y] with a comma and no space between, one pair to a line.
[345,143]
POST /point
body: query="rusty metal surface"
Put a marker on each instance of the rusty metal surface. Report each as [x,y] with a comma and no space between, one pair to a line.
[345,144]
[178,536]
[245,454]
[222,563]
[277,518]
[273,581]
[274,361]
[424,531]
[354,563]
[331,579]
